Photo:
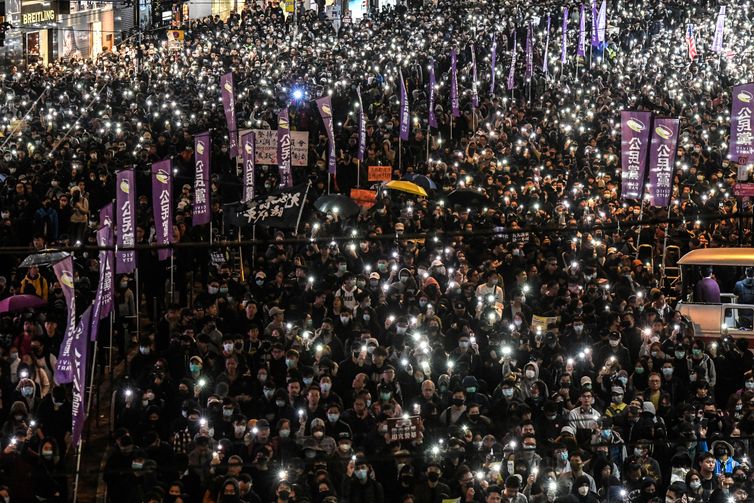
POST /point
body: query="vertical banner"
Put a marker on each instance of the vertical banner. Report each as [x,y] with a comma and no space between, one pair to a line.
[80,355]
[581,48]
[103,300]
[106,215]
[455,109]
[662,160]
[529,54]
[602,23]
[431,95]
[405,116]
[564,38]
[248,147]
[284,149]
[324,105]
[717,42]
[201,212]
[512,71]
[125,196]
[594,40]
[474,92]
[545,69]
[493,64]
[741,147]
[691,41]
[229,106]
[64,274]
[363,126]
[162,206]
[634,144]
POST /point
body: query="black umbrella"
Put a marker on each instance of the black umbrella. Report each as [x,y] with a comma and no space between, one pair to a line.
[468,198]
[337,203]
[43,258]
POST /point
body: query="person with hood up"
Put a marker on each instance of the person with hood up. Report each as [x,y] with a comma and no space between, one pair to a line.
[230,492]
[529,378]
[18,419]
[724,462]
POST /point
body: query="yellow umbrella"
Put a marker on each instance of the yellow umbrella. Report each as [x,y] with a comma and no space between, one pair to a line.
[405,186]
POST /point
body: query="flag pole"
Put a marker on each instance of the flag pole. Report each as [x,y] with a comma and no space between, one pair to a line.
[400,148]
[301,210]
[240,251]
[110,356]
[78,470]
[172,275]
[428,132]
[138,303]
[91,380]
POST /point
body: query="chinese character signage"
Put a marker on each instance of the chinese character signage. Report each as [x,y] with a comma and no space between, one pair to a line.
[634,144]
[741,141]
[662,161]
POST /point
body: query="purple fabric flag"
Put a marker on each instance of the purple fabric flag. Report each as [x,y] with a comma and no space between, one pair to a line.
[594,23]
[563,53]
[602,23]
[547,47]
[125,195]
[162,206]
[662,161]
[201,212]
[106,215]
[229,106]
[634,143]
[529,54]
[455,109]
[493,64]
[103,300]
[717,42]
[741,147]
[248,149]
[284,149]
[80,355]
[64,274]
[512,71]
[405,115]
[581,49]
[474,93]
[324,105]
[363,126]
[431,93]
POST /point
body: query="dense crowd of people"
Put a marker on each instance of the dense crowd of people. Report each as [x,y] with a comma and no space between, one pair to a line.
[521,347]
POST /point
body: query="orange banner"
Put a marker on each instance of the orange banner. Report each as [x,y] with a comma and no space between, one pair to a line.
[380,173]
[363,197]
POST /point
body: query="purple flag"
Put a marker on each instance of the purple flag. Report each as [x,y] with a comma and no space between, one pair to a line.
[201,212]
[717,42]
[547,46]
[80,355]
[363,127]
[474,93]
[125,195]
[581,49]
[634,143]
[595,42]
[324,105]
[405,117]
[431,95]
[248,149]
[512,71]
[103,300]
[455,109]
[229,106]
[662,161]
[493,64]
[162,206]
[741,146]
[602,23]
[563,53]
[284,149]
[529,55]
[64,274]
[106,215]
